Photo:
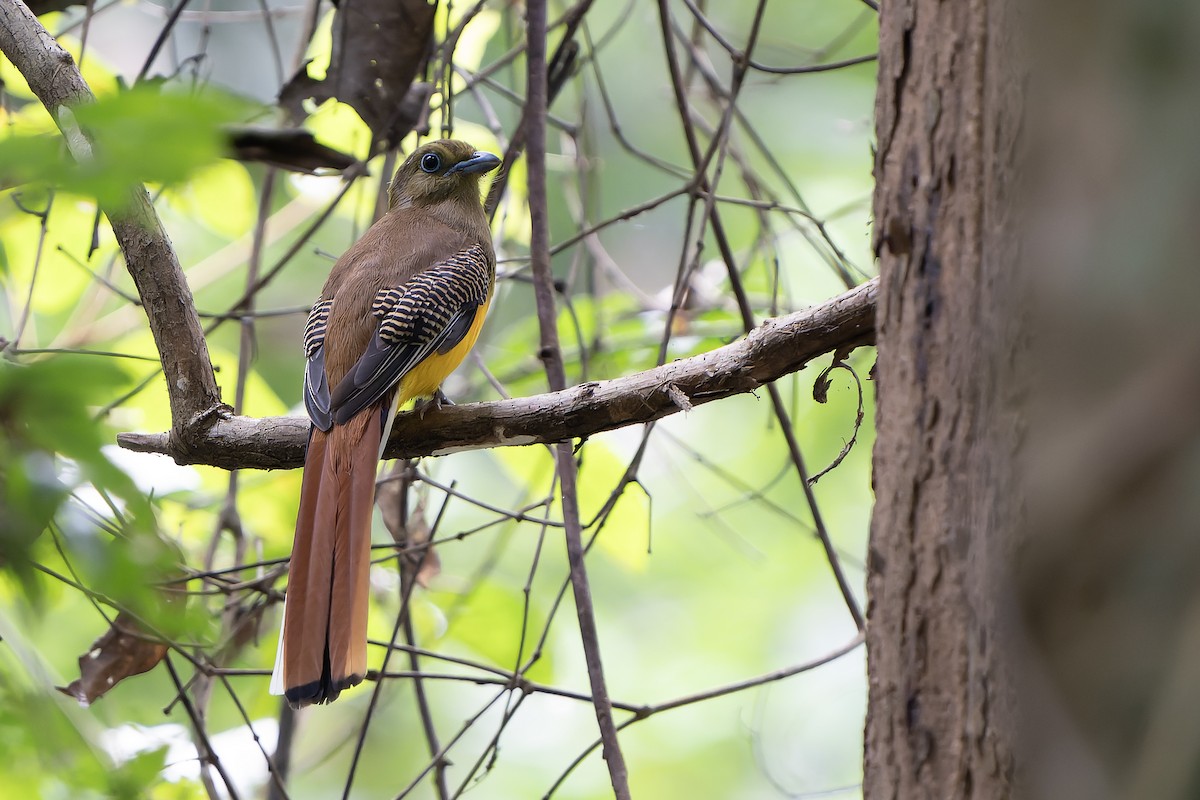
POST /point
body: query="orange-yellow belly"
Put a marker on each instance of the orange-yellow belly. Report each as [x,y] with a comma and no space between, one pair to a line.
[425,378]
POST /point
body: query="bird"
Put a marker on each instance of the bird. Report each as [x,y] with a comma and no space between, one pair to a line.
[400,310]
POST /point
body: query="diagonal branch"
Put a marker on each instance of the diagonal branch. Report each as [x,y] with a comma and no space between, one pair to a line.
[776,348]
[53,76]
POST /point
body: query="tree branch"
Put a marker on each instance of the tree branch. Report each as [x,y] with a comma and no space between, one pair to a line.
[551,354]
[53,76]
[776,348]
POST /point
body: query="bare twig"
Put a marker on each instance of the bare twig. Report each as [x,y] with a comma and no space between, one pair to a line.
[161,39]
[204,746]
[718,147]
[551,356]
[820,390]
[744,57]
[645,712]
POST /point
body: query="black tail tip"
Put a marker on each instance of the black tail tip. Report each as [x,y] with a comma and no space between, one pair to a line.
[319,692]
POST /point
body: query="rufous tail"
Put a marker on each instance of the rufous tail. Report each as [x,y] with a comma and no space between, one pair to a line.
[323,646]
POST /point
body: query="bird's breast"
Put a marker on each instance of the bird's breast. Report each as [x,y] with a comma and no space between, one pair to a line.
[425,378]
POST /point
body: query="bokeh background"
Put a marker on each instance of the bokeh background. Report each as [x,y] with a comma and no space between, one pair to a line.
[705,574]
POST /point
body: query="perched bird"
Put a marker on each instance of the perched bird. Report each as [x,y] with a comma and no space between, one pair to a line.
[400,310]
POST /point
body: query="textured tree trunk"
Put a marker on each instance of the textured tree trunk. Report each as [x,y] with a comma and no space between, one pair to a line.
[947,114]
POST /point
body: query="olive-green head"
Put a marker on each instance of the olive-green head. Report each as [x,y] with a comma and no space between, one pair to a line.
[438,171]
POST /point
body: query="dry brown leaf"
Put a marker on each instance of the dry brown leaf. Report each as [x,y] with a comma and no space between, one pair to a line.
[124,650]
[378,47]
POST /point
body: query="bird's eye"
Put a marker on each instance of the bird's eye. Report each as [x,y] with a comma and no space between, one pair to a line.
[430,162]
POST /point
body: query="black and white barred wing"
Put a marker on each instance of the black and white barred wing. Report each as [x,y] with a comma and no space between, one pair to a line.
[430,313]
[316,385]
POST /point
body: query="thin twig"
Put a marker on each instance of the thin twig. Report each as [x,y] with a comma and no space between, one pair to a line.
[209,755]
[743,302]
[645,712]
[161,39]
[551,356]
[744,57]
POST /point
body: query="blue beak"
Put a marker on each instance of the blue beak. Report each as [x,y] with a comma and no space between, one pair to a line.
[478,163]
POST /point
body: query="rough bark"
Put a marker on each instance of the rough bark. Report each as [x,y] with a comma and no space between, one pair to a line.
[774,349]
[946,119]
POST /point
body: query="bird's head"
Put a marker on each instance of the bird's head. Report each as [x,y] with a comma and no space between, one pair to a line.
[438,171]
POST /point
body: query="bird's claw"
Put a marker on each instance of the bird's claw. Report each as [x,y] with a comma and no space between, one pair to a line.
[435,402]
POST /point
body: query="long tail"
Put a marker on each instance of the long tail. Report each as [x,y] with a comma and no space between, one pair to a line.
[323,647]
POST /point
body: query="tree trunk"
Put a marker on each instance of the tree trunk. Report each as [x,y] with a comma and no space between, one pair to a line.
[947,115]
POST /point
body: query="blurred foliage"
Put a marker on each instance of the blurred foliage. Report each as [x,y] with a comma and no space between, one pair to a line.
[52,469]
[70,518]
[141,135]
[61,755]
[705,573]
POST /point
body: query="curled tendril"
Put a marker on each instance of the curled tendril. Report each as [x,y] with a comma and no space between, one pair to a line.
[821,395]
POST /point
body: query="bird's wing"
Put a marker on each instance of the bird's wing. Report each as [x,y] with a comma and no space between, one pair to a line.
[316,385]
[431,312]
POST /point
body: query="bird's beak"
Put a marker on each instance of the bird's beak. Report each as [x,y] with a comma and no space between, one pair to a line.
[477,164]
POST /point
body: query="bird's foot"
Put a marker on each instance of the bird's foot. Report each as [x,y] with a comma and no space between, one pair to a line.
[435,402]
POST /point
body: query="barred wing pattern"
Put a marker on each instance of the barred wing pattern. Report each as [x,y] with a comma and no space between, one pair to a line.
[430,313]
[316,386]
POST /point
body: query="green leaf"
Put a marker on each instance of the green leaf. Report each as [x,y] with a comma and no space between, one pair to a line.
[50,449]
[142,135]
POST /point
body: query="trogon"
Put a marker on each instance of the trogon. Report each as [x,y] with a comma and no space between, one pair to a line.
[400,310]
